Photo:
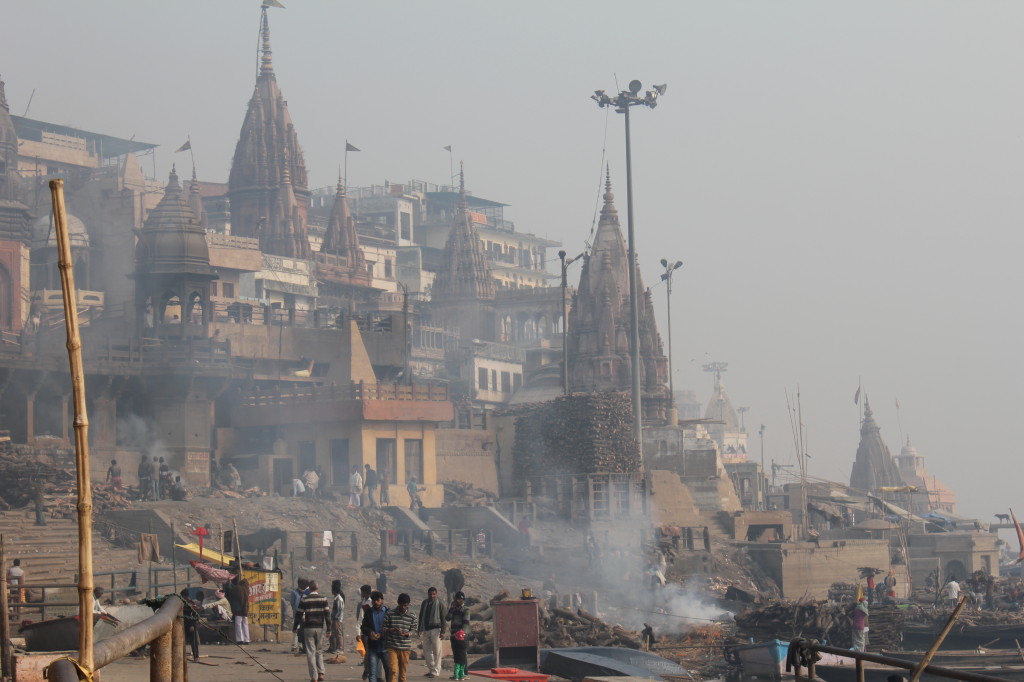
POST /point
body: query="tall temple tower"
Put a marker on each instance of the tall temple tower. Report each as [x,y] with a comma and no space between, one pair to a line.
[341,263]
[874,466]
[464,289]
[599,323]
[267,188]
[15,232]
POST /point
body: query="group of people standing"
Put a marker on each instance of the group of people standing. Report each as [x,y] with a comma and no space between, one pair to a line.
[156,480]
[385,633]
[368,483]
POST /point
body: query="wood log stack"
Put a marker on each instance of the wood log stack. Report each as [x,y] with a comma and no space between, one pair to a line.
[463,494]
[558,628]
[581,433]
[819,620]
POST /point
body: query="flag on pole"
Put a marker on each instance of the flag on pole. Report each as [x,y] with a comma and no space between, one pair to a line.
[272,3]
[897,403]
[185,147]
[351,147]
[856,397]
[448,148]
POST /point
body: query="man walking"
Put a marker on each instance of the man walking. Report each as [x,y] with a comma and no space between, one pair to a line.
[315,616]
[370,481]
[373,631]
[432,628]
[355,487]
[145,478]
[399,626]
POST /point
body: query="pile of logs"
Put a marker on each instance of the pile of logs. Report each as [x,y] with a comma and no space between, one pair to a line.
[580,433]
[819,620]
[559,627]
[842,592]
[463,494]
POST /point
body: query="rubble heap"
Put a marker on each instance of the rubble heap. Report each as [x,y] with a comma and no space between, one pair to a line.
[820,620]
[463,494]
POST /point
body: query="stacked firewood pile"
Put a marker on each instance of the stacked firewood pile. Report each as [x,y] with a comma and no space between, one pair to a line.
[819,620]
[104,498]
[559,627]
[580,433]
[842,592]
[463,494]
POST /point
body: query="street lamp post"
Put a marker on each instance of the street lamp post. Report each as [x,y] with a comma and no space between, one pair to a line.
[565,321]
[764,477]
[667,278]
[623,102]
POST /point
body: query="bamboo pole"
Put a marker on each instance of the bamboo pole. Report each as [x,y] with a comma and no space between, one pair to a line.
[74,345]
[926,659]
[5,620]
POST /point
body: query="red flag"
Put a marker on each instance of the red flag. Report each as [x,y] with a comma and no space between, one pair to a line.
[202,533]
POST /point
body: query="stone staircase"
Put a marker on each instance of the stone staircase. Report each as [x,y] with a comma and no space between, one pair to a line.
[49,554]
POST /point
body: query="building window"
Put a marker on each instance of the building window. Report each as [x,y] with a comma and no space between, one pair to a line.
[506,382]
[227,290]
[387,456]
[413,459]
[406,226]
[339,461]
[494,380]
[387,268]
[482,378]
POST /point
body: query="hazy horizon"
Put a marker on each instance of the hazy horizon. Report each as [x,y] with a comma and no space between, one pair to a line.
[840,179]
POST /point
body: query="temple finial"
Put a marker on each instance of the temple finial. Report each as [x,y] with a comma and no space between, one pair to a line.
[266,62]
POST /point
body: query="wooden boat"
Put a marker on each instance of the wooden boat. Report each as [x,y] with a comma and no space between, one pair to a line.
[969,658]
[768,659]
[61,634]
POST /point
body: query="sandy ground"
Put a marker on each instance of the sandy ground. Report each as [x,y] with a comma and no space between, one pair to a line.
[260,661]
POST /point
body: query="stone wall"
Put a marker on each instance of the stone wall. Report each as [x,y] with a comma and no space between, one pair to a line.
[802,569]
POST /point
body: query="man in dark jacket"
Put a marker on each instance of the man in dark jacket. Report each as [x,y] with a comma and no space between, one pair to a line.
[373,631]
[237,594]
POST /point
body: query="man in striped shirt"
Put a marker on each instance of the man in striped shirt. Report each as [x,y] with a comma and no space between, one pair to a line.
[399,627]
[315,615]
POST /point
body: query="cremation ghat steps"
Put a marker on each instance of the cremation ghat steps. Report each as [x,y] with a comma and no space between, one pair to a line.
[49,553]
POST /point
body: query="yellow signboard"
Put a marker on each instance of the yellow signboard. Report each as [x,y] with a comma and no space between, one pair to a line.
[264,596]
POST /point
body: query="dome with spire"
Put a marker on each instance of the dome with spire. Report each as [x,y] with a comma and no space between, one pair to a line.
[873,467]
[44,233]
[172,241]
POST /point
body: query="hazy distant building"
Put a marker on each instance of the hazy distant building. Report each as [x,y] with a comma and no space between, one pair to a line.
[932,494]
[725,428]
[874,467]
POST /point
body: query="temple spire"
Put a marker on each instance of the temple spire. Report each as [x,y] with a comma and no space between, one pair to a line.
[266,62]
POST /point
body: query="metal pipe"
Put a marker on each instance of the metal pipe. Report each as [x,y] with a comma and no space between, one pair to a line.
[634,302]
[160,658]
[178,650]
[565,330]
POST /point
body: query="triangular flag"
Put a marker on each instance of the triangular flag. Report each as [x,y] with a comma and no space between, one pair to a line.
[272,3]
[349,147]
[448,148]
[185,147]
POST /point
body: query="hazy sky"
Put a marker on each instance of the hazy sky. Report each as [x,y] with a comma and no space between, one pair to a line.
[842,179]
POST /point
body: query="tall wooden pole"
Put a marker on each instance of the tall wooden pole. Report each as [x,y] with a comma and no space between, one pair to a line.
[5,619]
[67,285]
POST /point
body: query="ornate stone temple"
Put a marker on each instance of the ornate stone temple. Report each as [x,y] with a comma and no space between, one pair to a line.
[267,187]
[464,289]
[599,323]
[874,467]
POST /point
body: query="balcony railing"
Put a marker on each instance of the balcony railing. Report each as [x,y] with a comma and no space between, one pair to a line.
[357,390]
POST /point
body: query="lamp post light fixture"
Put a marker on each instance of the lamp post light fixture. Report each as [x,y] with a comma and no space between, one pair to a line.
[566,262]
[623,102]
[667,278]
